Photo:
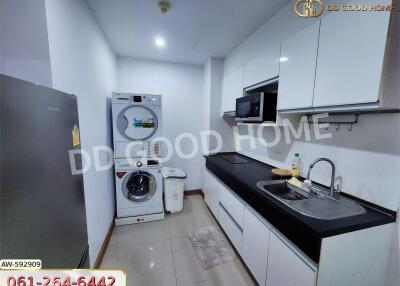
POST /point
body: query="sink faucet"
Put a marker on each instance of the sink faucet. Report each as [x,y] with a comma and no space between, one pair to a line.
[332,187]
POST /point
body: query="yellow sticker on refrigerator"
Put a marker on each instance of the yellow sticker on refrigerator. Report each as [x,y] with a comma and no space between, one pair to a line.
[76,142]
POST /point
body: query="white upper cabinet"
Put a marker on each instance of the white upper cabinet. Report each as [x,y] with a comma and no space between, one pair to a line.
[297,69]
[350,57]
[285,267]
[232,88]
[264,67]
[255,246]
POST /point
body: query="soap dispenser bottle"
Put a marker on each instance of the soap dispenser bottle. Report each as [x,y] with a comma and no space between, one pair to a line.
[295,168]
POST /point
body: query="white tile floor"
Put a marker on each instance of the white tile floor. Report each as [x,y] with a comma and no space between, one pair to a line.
[160,254]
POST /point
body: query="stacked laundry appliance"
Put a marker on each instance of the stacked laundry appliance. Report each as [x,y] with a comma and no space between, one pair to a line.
[138,168]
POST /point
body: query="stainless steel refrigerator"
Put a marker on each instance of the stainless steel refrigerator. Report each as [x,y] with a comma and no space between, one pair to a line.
[42,205]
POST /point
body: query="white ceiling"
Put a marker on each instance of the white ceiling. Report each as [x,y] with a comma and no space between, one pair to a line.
[193,30]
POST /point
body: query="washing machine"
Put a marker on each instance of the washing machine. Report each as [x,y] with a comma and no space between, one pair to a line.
[139,190]
[136,121]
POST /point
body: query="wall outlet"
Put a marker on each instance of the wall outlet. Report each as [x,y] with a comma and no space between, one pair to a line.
[279,149]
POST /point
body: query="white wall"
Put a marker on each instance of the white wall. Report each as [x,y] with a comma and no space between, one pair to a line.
[222,125]
[366,165]
[181,87]
[24,41]
[206,95]
[212,100]
[367,159]
[82,63]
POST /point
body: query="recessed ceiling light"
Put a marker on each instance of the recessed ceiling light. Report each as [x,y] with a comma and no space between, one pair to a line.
[283,59]
[159,42]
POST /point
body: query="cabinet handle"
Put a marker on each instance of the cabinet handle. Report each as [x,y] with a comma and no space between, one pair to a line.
[230,216]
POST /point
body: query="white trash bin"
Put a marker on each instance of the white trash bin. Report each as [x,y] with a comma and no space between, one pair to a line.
[173,189]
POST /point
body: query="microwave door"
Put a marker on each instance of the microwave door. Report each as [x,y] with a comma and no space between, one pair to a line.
[243,109]
[249,108]
[258,107]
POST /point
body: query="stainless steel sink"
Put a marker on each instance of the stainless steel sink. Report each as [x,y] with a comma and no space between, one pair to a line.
[284,190]
[315,204]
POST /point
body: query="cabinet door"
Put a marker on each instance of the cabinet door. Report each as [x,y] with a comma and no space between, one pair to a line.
[255,246]
[232,88]
[232,204]
[211,192]
[297,69]
[350,57]
[231,228]
[262,68]
[285,267]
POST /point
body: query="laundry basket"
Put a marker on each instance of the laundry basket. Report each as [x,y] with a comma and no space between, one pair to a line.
[173,189]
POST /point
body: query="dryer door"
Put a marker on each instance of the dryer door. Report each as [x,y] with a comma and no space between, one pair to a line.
[139,186]
[137,122]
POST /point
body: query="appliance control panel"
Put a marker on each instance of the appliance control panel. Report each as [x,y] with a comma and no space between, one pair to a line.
[137,99]
[137,163]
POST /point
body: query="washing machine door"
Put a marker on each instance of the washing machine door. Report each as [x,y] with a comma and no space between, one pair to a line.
[139,186]
[137,122]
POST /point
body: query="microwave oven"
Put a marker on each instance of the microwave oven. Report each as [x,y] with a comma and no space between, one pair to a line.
[258,105]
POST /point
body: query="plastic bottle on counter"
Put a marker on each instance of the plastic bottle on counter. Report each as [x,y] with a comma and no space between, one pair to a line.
[295,168]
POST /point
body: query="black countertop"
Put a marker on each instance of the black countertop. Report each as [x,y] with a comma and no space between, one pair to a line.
[307,233]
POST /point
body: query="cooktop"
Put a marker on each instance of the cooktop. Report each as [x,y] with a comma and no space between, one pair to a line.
[235,159]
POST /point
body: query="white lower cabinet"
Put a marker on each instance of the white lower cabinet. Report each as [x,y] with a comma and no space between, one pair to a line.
[285,267]
[231,228]
[274,260]
[211,191]
[255,246]
[232,204]
[230,216]
[268,256]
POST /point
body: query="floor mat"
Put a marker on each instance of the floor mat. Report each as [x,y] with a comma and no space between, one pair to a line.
[211,247]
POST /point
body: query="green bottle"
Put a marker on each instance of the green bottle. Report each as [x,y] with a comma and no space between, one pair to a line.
[295,168]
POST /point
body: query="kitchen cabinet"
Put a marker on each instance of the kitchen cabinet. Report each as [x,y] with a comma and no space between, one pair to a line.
[275,260]
[232,204]
[231,228]
[351,57]
[262,68]
[232,88]
[285,267]
[297,69]
[211,191]
[226,207]
[255,246]
[258,245]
